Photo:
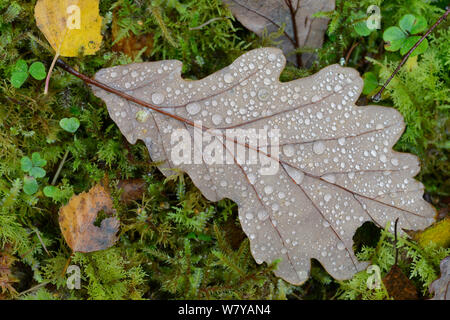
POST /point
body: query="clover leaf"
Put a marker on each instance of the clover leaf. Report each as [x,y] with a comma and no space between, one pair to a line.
[394,37]
[30,185]
[52,192]
[34,165]
[70,124]
[26,164]
[37,71]
[21,66]
[412,25]
[402,38]
[410,42]
[37,172]
[37,160]
[362,29]
[21,72]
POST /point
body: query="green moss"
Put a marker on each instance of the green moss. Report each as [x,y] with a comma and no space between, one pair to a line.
[438,235]
[420,264]
[173,242]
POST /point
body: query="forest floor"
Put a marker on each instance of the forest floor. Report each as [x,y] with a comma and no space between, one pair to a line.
[173,243]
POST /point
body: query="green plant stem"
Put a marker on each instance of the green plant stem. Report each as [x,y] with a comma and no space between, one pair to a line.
[60,167]
[377,97]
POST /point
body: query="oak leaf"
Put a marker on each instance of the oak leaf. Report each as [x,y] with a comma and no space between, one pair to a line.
[336,166]
[300,28]
[77,218]
[440,287]
[70,26]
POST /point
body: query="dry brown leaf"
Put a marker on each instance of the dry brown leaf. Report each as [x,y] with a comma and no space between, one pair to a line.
[132,189]
[441,286]
[132,44]
[399,286]
[77,218]
[7,279]
[336,166]
[301,30]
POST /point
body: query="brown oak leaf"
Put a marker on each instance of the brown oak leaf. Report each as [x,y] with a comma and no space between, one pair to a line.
[77,218]
[334,169]
[440,287]
[300,28]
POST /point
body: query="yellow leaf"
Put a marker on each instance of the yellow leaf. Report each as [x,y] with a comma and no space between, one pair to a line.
[70,26]
[77,219]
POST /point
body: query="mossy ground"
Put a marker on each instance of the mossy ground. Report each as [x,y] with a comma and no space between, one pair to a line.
[173,242]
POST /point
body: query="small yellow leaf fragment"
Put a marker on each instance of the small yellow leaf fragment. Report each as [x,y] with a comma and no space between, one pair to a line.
[70,26]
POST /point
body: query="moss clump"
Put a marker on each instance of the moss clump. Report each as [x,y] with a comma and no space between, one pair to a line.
[438,235]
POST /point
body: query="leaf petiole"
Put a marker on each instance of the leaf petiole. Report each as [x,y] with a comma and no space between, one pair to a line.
[47,80]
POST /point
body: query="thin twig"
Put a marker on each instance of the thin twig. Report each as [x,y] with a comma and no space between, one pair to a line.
[395,242]
[207,23]
[55,178]
[43,284]
[267,18]
[347,57]
[42,242]
[293,13]
[377,97]
[124,95]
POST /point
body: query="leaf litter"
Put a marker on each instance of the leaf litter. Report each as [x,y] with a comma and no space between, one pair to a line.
[77,219]
[295,17]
